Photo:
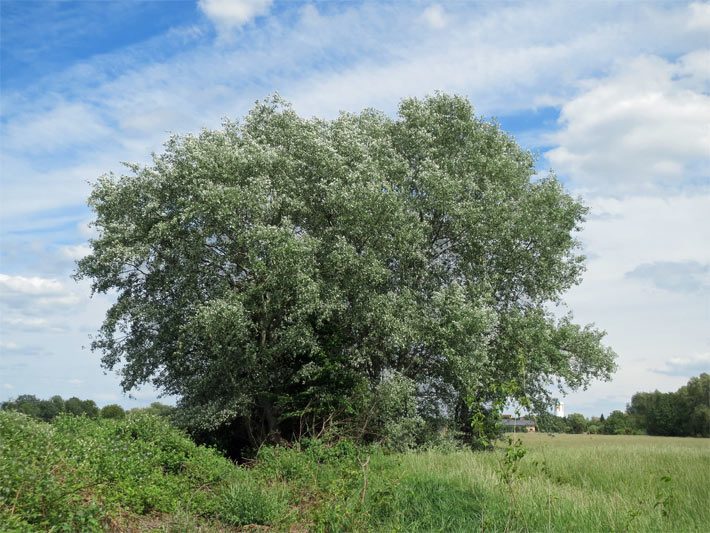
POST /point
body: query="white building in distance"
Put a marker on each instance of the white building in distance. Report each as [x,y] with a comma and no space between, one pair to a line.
[560,409]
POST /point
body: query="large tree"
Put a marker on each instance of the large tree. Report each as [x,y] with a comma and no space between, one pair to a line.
[285,267]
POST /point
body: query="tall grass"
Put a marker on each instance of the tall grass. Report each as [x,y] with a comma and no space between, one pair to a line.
[565,483]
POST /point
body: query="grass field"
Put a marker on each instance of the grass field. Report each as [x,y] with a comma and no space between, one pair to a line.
[564,483]
[140,474]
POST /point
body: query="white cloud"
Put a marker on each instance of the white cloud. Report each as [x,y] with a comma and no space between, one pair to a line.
[34,294]
[86,229]
[75,381]
[639,129]
[23,322]
[646,322]
[7,386]
[75,252]
[699,16]
[232,14]
[505,59]
[435,16]
[623,233]
[30,285]
[13,348]
[63,125]
[686,366]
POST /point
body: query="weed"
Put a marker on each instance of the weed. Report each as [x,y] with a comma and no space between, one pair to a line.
[248,502]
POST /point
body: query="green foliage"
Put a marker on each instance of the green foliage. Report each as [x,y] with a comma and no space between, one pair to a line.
[47,410]
[78,473]
[510,464]
[617,423]
[270,271]
[391,414]
[247,501]
[78,407]
[685,412]
[549,423]
[113,411]
[157,409]
[139,473]
[577,423]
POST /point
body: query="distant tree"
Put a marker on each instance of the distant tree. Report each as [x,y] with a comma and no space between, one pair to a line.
[160,409]
[49,409]
[638,409]
[617,423]
[695,399]
[548,423]
[58,403]
[685,412]
[113,410]
[90,408]
[577,423]
[78,407]
[25,403]
[73,406]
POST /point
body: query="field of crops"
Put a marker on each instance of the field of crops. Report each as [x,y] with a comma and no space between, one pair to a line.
[140,474]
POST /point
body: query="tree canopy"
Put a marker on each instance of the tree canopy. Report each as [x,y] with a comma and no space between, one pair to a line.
[283,269]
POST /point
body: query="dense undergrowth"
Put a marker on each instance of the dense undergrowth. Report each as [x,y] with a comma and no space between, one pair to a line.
[141,474]
[79,474]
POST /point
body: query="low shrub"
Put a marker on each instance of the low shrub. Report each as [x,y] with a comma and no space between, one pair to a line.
[76,473]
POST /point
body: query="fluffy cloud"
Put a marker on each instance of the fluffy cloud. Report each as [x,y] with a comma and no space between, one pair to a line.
[699,16]
[231,14]
[30,285]
[35,294]
[644,127]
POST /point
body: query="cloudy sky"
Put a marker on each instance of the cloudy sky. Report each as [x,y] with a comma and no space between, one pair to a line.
[614,97]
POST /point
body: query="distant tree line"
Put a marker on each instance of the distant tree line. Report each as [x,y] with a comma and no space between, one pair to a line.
[683,413]
[617,423]
[48,410]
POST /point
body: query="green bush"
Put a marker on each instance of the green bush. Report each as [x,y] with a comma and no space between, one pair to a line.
[77,473]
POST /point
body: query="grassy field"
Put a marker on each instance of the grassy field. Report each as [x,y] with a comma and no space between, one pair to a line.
[563,483]
[140,474]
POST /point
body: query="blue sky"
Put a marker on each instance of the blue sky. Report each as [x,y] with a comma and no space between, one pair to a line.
[615,97]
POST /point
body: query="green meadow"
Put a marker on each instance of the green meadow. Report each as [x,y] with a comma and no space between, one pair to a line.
[141,474]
